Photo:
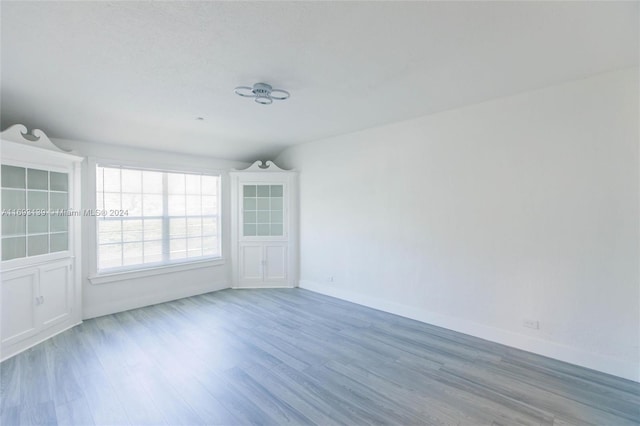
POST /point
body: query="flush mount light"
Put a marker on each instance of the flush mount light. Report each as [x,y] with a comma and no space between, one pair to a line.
[262,93]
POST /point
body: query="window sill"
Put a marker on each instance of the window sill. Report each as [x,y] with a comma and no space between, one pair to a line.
[158,270]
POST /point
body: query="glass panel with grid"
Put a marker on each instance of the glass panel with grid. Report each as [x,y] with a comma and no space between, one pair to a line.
[167,217]
[35,206]
[262,210]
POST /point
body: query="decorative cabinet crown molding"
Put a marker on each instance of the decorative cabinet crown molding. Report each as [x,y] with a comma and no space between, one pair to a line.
[261,167]
[19,133]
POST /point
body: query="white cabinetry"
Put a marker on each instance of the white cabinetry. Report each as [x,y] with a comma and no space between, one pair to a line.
[40,282]
[264,226]
[35,299]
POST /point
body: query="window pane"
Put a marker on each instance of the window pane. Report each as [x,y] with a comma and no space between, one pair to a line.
[38,244]
[263,217]
[250,230]
[132,204]
[192,182]
[209,205]
[59,181]
[276,204]
[263,204]
[209,246]
[109,231]
[131,181]
[209,226]
[194,227]
[250,217]
[276,230]
[13,199]
[263,190]
[58,201]
[276,216]
[13,248]
[152,182]
[210,184]
[176,183]
[112,201]
[249,191]
[153,229]
[38,200]
[13,177]
[177,228]
[152,205]
[132,230]
[132,254]
[38,179]
[14,225]
[110,256]
[178,249]
[37,224]
[176,205]
[276,190]
[250,204]
[59,223]
[59,242]
[194,247]
[111,180]
[152,251]
[194,205]
[263,230]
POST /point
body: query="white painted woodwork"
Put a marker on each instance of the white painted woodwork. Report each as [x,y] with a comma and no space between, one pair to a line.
[56,292]
[252,263]
[268,259]
[41,294]
[275,262]
[19,296]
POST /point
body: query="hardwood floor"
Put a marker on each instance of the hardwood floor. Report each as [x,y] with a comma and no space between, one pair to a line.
[295,357]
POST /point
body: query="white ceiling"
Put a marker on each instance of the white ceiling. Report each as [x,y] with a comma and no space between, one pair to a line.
[139,73]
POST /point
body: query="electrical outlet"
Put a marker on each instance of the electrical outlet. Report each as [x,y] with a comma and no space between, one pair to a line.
[529,323]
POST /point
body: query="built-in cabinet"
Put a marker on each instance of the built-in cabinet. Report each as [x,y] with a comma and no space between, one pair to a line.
[40,281]
[263,226]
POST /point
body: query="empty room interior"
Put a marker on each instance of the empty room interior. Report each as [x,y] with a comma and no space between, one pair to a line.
[320,213]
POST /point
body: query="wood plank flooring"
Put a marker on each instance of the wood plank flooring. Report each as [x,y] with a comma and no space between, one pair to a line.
[238,357]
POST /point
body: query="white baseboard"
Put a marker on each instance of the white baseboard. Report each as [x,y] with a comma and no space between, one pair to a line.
[259,287]
[151,299]
[22,346]
[605,364]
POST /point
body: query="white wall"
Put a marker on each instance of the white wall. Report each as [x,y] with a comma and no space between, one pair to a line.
[477,218]
[107,298]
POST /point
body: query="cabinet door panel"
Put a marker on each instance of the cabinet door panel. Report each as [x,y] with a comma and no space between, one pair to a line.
[19,292]
[251,263]
[56,291]
[275,263]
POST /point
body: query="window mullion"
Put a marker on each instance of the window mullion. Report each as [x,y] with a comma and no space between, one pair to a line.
[165,217]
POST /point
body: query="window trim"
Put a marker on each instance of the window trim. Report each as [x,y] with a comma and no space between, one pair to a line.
[112,275]
[131,274]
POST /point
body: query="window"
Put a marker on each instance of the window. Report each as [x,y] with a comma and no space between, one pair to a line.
[35,206]
[150,218]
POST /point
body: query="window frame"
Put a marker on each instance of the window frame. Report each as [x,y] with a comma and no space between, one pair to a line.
[98,276]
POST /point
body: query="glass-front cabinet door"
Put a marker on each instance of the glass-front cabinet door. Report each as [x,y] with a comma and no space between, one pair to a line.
[263,213]
[35,212]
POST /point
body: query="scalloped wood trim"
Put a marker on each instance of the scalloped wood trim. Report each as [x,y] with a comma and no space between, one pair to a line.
[262,166]
[19,133]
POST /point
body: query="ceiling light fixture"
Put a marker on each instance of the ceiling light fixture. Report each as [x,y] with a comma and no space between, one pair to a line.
[262,93]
